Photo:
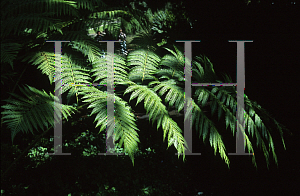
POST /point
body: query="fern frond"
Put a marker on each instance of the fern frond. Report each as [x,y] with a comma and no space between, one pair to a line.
[35,22]
[145,64]
[256,127]
[170,74]
[176,61]
[207,127]
[83,4]
[108,14]
[120,69]
[198,72]
[9,52]
[125,127]
[144,40]
[35,111]
[157,110]
[202,62]
[174,96]
[45,61]
[86,46]
[73,77]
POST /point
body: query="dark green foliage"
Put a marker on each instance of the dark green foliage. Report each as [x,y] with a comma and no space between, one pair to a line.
[150,80]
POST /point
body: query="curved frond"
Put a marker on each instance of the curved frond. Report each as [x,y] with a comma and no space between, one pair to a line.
[45,61]
[176,61]
[203,124]
[174,96]
[202,63]
[125,127]
[35,111]
[9,52]
[35,15]
[73,77]
[120,69]
[256,126]
[157,110]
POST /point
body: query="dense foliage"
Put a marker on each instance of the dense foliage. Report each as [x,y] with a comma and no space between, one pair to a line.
[149,80]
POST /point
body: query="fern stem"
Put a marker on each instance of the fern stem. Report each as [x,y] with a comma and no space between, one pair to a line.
[18,80]
[79,107]
[74,82]
[145,67]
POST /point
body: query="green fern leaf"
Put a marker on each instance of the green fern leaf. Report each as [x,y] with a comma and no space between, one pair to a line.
[36,111]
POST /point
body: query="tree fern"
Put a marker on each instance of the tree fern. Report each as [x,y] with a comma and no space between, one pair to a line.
[146,75]
[223,98]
